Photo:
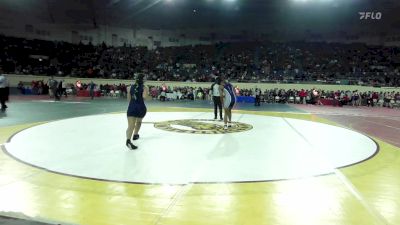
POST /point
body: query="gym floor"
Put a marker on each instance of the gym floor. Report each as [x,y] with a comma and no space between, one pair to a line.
[65,162]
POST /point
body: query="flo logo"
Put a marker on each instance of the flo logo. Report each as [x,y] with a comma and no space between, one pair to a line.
[370,15]
[199,126]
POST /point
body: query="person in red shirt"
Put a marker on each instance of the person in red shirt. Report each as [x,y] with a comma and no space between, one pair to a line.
[303,95]
[375,97]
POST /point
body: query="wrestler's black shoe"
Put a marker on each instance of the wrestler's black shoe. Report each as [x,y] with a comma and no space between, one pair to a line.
[135,137]
[130,145]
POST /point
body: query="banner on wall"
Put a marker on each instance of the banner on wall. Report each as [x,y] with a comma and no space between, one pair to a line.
[39,57]
[189,65]
[157,43]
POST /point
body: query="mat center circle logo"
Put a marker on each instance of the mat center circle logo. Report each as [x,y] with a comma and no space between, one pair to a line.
[201,126]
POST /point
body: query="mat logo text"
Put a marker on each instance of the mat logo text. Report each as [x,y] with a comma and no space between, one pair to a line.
[200,126]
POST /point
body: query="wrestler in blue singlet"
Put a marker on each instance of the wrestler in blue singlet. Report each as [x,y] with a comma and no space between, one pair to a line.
[136,107]
[229,96]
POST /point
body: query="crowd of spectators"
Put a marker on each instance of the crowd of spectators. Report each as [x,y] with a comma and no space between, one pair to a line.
[339,97]
[312,96]
[42,87]
[168,93]
[242,62]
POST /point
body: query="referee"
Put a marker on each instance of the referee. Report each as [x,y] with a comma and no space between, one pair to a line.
[4,90]
[258,97]
[217,98]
